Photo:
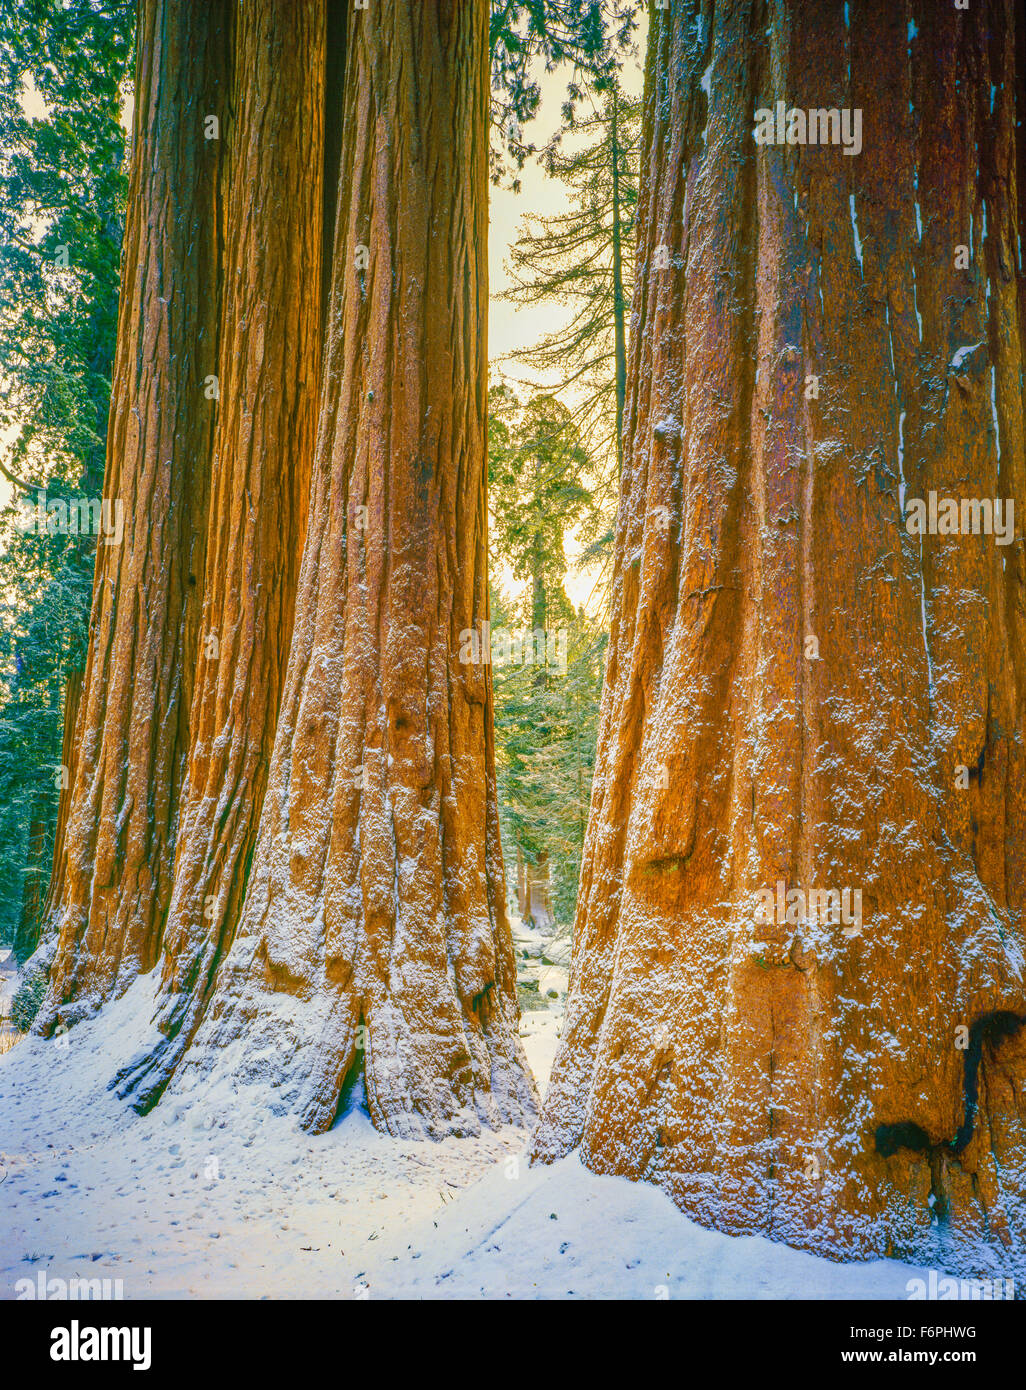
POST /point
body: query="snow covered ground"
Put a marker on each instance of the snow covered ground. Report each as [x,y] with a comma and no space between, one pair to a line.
[222,1199]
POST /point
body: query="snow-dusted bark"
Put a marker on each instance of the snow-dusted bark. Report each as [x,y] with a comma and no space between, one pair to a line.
[268,379]
[798,690]
[373,938]
[115,858]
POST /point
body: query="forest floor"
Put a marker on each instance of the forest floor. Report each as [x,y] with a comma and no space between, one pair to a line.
[220,1199]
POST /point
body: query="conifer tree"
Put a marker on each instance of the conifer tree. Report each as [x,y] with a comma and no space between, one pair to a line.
[547,683]
[584,259]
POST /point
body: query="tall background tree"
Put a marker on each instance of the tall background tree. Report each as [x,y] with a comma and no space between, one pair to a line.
[578,263]
[582,260]
[798,690]
[540,481]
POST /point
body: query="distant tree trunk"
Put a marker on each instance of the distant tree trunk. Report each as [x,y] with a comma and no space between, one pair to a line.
[69,759]
[538,899]
[27,934]
[269,378]
[523,908]
[537,870]
[147,594]
[376,896]
[835,703]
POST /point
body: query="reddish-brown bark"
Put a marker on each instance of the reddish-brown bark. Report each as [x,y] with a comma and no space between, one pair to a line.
[376,896]
[269,370]
[792,1079]
[147,592]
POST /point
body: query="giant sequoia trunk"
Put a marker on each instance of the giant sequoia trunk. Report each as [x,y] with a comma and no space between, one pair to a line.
[373,938]
[147,593]
[263,444]
[799,691]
